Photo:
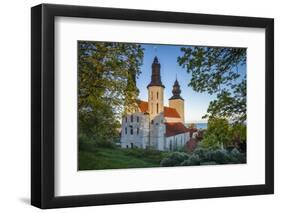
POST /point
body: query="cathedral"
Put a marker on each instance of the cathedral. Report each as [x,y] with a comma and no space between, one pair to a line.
[154,125]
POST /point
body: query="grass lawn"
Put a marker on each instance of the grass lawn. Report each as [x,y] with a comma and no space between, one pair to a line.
[116,158]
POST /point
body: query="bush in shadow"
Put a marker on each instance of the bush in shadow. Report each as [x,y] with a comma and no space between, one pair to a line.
[174,159]
[193,160]
[202,156]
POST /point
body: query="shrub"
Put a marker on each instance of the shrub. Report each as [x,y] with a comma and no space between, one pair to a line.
[220,156]
[202,153]
[203,156]
[174,159]
[168,162]
[236,156]
[191,161]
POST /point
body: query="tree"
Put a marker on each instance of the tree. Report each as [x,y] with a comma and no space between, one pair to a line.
[216,70]
[217,134]
[220,133]
[106,75]
[238,134]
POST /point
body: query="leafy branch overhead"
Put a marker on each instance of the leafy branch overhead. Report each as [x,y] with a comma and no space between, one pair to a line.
[216,70]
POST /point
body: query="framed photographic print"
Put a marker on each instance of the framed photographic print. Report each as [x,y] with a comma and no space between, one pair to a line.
[139,106]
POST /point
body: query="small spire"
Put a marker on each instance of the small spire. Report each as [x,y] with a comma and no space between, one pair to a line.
[176,90]
[155,61]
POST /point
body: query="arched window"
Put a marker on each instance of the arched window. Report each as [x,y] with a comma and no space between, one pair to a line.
[157,110]
[126,130]
[132,131]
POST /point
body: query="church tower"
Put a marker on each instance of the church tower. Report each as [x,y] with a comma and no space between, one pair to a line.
[176,101]
[155,91]
[132,91]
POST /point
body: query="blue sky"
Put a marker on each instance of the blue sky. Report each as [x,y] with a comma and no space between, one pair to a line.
[196,104]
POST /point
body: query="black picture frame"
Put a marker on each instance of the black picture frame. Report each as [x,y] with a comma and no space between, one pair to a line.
[43,105]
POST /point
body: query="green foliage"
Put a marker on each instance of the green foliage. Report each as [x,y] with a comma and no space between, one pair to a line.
[106,75]
[239,133]
[217,134]
[236,156]
[201,152]
[215,70]
[202,156]
[220,133]
[174,159]
[220,156]
[191,161]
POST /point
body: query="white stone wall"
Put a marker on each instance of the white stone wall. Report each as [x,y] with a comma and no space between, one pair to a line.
[135,131]
[143,133]
[174,143]
[157,132]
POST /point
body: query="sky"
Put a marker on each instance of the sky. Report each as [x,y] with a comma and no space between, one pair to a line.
[196,104]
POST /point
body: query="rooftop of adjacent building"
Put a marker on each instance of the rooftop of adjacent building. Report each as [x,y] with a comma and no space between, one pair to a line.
[177,128]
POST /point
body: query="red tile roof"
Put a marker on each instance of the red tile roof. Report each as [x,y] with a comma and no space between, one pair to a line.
[143,105]
[171,112]
[175,129]
[168,111]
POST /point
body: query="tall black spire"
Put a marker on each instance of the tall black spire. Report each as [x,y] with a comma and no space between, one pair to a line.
[155,76]
[176,91]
